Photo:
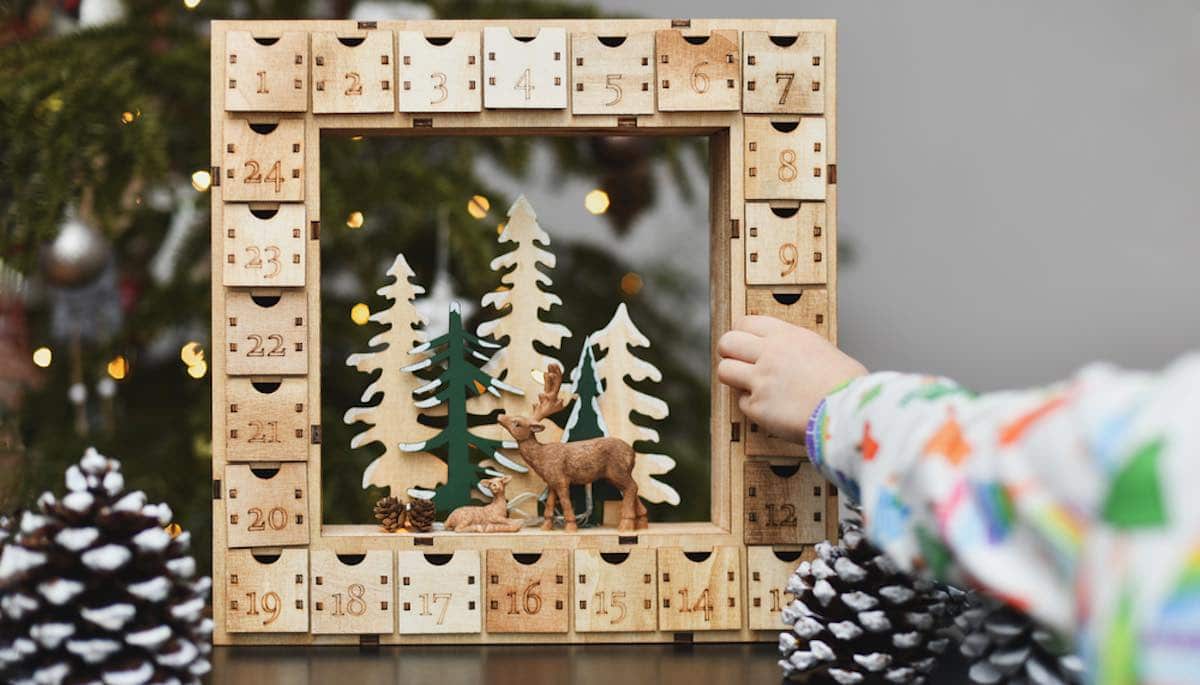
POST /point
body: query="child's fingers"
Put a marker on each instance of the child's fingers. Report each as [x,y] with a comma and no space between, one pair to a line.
[740,345]
[735,374]
[761,325]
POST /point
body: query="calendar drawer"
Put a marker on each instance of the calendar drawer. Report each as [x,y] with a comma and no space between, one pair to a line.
[353,72]
[785,243]
[263,160]
[524,74]
[528,593]
[266,507]
[353,593]
[699,590]
[266,592]
[784,74]
[612,74]
[769,569]
[264,245]
[440,593]
[440,74]
[804,307]
[616,591]
[266,419]
[784,503]
[698,73]
[266,72]
[266,332]
[785,158]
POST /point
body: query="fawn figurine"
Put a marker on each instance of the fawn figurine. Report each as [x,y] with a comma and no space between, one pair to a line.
[488,518]
[563,464]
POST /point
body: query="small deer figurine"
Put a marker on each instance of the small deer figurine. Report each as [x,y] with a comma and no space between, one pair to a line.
[488,518]
[564,464]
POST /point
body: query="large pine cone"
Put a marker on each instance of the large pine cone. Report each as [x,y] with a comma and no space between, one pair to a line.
[389,511]
[858,619]
[93,590]
[421,514]
[1005,646]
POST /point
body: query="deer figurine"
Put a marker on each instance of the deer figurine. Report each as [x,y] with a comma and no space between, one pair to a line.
[564,464]
[488,518]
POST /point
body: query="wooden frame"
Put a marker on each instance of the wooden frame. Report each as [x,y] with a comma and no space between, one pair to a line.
[258,119]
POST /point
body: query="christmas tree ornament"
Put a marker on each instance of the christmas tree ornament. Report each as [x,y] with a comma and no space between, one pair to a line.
[420,515]
[858,619]
[94,590]
[77,254]
[389,511]
[562,465]
[1005,646]
[488,518]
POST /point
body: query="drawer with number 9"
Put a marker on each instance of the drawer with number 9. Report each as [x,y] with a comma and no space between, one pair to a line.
[785,243]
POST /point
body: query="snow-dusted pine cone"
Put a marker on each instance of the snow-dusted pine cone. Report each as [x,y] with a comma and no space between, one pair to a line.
[389,511]
[1004,646]
[93,590]
[858,619]
[421,514]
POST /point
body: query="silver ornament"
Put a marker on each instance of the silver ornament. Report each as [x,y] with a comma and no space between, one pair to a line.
[76,255]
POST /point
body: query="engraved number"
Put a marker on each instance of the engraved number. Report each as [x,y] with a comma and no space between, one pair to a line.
[355,606]
[256,261]
[525,83]
[788,511]
[432,598]
[355,87]
[790,256]
[615,602]
[270,604]
[610,83]
[439,84]
[264,431]
[787,165]
[775,604]
[531,599]
[254,175]
[703,603]
[257,349]
[787,78]
[277,518]
[699,78]
[262,82]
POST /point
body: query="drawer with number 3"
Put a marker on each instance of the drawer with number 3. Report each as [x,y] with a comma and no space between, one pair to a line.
[440,74]
[266,506]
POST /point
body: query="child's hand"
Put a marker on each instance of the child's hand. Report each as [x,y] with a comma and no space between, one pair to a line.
[782,372]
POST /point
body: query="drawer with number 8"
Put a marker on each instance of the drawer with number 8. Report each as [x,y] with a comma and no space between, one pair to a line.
[263,161]
[264,244]
[785,158]
[265,507]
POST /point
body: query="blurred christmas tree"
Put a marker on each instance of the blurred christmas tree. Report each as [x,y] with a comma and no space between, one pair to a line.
[104,226]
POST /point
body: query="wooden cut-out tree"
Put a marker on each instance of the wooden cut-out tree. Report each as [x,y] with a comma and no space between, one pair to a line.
[620,401]
[394,419]
[458,381]
[519,303]
[586,421]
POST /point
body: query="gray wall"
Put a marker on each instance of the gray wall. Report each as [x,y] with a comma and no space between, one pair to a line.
[1019,181]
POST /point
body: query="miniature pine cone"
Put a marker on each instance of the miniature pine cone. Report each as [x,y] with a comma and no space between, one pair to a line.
[858,619]
[389,511]
[94,590]
[1004,646]
[421,513]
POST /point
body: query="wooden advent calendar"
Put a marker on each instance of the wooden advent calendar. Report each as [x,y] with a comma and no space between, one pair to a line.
[762,91]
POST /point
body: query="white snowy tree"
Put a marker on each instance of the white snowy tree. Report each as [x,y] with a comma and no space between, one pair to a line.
[394,420]
[519,303]
[620,401]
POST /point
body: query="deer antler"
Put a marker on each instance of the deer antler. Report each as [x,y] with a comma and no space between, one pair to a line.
[548,400]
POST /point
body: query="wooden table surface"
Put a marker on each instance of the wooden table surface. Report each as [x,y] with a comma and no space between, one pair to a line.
[505,665]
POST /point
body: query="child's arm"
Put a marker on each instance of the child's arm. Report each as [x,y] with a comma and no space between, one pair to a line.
[1078,502]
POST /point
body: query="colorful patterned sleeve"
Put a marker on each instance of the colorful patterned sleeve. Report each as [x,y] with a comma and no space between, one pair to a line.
[1078,503]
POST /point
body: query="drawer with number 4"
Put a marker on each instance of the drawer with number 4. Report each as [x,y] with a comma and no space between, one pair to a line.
[353,593]
[785,158]
[524,72]
[699,589]
[266,332]
[784,74]
[440,593]
[266,505]
[698,72]
[784,503]
[527,592]
[615,591]
[264,244]
[263,160]
[785,243]
[266,592]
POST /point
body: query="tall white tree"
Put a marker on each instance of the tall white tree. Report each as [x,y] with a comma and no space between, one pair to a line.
[394,420]
[519,303]
[620,401]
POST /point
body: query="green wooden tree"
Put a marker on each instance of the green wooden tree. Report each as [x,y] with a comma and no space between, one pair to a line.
[459,381]
[585,422]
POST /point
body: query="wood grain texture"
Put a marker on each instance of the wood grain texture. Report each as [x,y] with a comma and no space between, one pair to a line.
[265,78]
[353,598]
[762,443]
[440,78]
[612,79]
[783,77]
[805,307]
[616,590]
[768,570]
[266,252]
[785,243]
[266,419]
[267,332]
[353,72]
[785,503]
[266,506]
[698,77]
[786,158]
[440,598]
[528,597]
[524,74]
[263,160]
[702,594]
[266,592]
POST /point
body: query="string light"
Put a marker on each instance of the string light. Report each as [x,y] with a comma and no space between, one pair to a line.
[191,4]
[355,220]
[596,201]
[201,180]
[478,206]
[42,357]
[631,283]
[191,352]
[360,313]
[118,368]
[198,369]
[356,138]
[130,117]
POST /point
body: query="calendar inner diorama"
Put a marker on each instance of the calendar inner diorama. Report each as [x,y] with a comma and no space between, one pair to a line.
[517,493]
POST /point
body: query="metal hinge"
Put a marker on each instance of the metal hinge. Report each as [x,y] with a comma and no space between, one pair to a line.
[626,539]
[426,122]
[735,228]
[368,25]
[216,488]
[314,230]
[626,122]
[315,432]
[215,176]
[423,542]
[831,174]
[681,23]
[735,432]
